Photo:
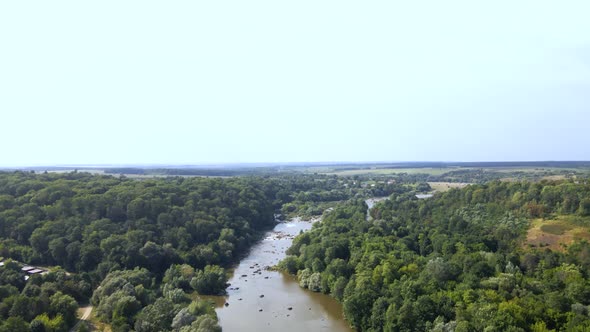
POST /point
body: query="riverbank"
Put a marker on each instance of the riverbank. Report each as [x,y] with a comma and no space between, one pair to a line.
[262,299]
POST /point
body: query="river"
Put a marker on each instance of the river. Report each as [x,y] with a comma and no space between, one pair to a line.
[262,300]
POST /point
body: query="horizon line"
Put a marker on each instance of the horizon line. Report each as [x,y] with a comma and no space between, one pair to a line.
[263,163]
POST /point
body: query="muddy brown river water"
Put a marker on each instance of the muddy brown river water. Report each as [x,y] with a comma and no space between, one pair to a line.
[263,300]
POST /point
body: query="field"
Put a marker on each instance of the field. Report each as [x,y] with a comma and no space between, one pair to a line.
[473,172]
[447,172]
[445,186]
[386,171]
[554,234]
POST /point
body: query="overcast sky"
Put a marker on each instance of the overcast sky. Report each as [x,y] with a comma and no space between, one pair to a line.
[170,82]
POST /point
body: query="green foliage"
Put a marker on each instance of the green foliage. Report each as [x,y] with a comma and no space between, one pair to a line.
[47,301]
[164,315]
[584,209]
[449,262]
[209,281]
[156,317]
[291,264]
[122,294]
[44,323]
[202,324]
[89,223]
[423,187]
[453,262]
[14,324]
[143,243]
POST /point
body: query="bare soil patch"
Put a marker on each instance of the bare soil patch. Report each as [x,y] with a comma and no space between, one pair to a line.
[555,234]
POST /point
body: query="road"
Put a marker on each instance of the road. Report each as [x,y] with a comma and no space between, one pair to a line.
[85,315]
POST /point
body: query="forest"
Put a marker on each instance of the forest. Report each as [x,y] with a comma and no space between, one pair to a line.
[454,262]
[136,247]
[133,248]
[142,251]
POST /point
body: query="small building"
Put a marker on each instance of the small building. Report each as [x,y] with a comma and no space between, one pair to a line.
[34,271]
[27,268]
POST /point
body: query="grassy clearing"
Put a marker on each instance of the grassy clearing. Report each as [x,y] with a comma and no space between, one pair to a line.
[558,233]
[446,186]
[555,229]
[554,177]
[94,324]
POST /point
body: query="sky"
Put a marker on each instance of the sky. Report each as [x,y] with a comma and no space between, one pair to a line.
[207,82]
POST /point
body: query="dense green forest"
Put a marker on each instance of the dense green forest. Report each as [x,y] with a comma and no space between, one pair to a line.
[133,247]
[141,250]
[455,262]
[136,248]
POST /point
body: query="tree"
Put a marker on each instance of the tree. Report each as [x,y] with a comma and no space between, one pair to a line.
[584,209]
[423,187]
[15,324]
[291,264]
[64,305]
[203,323]
[21,307]
[43,323]
[155,317]
[182,318]
[209,281]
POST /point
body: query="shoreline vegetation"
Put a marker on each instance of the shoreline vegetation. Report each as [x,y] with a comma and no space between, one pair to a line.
[263,298]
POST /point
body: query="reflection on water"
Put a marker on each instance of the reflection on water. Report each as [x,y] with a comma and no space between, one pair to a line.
[262,300]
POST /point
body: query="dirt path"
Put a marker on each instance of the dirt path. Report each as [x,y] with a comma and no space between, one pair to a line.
[86,313]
